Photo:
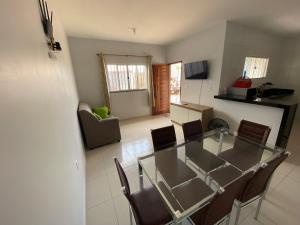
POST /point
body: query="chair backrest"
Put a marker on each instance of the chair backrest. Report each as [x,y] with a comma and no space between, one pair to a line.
[163,137]
[259,182]
[254,131]
[123,179]
[192,130]
[222,203]
[126,191]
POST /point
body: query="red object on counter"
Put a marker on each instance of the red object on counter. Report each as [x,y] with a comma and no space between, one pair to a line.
[242,83]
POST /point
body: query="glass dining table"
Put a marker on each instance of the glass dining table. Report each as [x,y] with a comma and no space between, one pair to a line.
[182,174]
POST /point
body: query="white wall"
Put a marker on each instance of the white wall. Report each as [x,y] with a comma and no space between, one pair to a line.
[225,46]
[87,70]
[39,132]
[206,45]
[242,41]
[125,104]
[291,67]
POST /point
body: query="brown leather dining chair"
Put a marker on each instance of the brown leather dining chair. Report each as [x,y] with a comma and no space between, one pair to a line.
[145,205]
[163,137]
[170,167]
[192,130]
[219,208]
[254,132]
[248,130]
[195,152]
[257,187]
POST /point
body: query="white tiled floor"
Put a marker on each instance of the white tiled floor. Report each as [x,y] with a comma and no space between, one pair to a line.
[107,206]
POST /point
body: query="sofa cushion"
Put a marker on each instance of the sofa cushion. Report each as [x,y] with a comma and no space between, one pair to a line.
[101,111]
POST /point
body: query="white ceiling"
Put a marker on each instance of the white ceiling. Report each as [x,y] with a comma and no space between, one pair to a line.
[165,21]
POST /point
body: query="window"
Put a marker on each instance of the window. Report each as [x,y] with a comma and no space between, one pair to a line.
[256,67]
[126,77]
[175,69]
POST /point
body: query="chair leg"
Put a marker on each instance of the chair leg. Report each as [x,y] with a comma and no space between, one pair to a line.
[130,216]
[239,207]
[228,220]
[220,143]
[141,179]
[209,181]
[258,208]
[205,177]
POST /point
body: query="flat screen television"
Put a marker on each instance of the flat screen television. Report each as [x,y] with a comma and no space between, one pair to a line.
[196,70]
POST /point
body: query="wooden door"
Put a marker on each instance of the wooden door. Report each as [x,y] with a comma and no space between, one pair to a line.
[161,89]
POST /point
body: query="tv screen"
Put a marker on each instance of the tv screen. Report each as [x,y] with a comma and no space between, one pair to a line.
[196,70]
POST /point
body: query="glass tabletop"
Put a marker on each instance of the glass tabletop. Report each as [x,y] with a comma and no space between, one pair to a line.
[182,174]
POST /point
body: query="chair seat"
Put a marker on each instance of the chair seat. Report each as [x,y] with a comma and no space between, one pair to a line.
[242,158]
[150,207]
[172,169]
[204,159]
[225,175]
[192,192]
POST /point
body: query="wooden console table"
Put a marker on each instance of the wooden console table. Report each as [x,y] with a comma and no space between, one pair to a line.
[182,112]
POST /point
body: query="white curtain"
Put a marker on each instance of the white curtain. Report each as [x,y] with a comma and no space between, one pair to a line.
[150,81]
[103,77]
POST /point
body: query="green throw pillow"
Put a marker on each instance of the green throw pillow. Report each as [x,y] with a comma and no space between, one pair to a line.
[97,116]
[101,111]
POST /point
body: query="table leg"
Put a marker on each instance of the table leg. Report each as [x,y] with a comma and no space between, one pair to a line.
[228,220]
[258,208]
[141,180]
[130,216]
[220,142]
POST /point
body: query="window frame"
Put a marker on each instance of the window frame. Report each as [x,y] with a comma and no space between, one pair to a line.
[131,90]
[128,83]
[265,69]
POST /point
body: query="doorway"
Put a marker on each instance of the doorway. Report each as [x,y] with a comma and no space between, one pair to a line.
[161,89]
[175,78]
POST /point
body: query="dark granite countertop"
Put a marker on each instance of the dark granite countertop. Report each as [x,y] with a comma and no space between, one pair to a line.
[278,103]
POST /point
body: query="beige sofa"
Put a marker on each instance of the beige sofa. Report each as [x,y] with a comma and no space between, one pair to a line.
[97,132]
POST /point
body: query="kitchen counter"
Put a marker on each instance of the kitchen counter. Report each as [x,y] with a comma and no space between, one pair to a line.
[279,103]
[289,110]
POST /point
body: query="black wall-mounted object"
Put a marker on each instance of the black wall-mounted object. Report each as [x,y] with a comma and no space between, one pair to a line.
[47,21]
[196,70]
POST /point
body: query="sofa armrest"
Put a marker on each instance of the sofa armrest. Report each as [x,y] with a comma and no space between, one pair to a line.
[100,132]
[110,124]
